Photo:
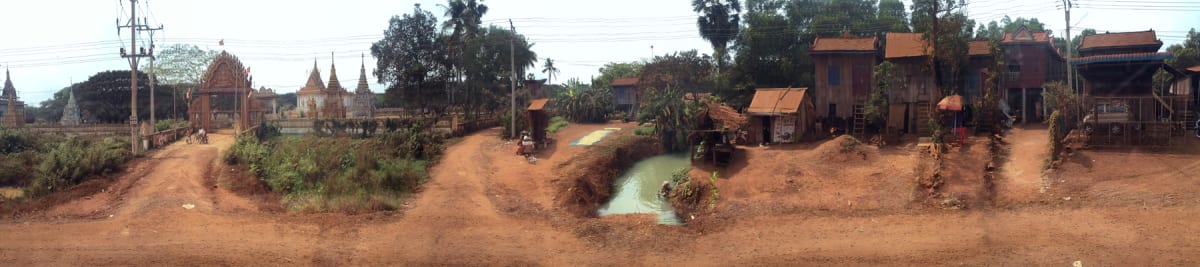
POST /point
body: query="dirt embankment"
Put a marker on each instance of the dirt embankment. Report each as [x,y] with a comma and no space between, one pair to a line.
[589,177]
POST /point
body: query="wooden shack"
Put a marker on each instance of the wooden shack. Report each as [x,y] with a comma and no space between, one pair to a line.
[780,115]
[717,133]
[538,119]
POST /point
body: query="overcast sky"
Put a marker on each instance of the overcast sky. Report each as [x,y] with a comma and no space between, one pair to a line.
[49,44]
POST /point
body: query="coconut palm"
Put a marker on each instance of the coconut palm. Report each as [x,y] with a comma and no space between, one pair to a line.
[718,23]
[549,69]
[465,16]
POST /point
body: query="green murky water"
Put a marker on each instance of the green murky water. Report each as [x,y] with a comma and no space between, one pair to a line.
[636,190]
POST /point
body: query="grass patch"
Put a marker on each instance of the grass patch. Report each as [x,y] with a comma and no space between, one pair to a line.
[556,123]
[645,130]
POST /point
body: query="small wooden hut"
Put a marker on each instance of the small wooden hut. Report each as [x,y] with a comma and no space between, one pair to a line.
[780,115]
[716,132]
[538,119]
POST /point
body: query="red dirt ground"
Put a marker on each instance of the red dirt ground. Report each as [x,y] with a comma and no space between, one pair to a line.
[795,204]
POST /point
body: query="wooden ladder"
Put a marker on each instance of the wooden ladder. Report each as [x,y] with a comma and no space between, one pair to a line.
[859,129]
[924,112]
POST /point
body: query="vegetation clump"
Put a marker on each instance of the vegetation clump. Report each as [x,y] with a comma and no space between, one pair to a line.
[322,173]
[44,164]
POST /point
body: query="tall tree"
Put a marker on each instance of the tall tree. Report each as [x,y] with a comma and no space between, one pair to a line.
[892,16]
[549,69]
[718,23]
[944,25]
[856,17]
[772,49]
[464,18]
[412,61]
[182,66]
[488,84]
[104,98]
[687,70]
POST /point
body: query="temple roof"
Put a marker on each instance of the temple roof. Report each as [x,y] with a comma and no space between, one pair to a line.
[363,86]
[315,85]
[9,90]
[333,79]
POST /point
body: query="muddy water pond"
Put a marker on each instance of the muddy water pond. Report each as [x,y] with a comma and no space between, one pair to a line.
[636,190]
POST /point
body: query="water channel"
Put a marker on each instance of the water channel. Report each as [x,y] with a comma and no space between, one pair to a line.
[636,190]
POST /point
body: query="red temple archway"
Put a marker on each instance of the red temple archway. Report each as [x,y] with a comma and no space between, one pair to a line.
[225,76]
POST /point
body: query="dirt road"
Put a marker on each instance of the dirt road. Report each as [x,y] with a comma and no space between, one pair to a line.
[485,206]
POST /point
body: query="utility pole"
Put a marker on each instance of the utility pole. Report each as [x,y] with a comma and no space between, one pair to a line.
[153,120]
[133,54]
[1070,68]
[512,93]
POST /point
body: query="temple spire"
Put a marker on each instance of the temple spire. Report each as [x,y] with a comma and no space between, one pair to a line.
[334,84]
[363,86]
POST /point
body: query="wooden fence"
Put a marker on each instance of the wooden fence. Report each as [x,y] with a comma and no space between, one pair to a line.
[166,137]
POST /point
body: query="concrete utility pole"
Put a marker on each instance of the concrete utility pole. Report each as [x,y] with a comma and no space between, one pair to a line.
[153,120]
[133,54]
[1071,69]
[512,93]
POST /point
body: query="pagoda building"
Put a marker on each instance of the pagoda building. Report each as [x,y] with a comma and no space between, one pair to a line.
[70,115]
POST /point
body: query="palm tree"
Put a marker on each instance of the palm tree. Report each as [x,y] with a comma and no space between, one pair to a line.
[549,69]
[465,17]
[718,23]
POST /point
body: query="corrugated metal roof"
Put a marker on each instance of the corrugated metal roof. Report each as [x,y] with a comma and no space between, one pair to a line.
[773,101]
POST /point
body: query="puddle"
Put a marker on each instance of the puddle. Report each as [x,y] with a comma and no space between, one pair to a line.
[636,191]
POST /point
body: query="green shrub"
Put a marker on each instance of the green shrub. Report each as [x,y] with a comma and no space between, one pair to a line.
[323,172]
[556,123]
[168,124]
[644,130]
[74,160]
[15,141]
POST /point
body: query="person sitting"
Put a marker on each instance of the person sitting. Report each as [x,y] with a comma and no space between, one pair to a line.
[665,190]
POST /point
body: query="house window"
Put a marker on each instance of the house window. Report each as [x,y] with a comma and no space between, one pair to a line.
[835,75]
[1014,72]
[833,110]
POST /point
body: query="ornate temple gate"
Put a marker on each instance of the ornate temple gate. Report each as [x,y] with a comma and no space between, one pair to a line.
[225,76]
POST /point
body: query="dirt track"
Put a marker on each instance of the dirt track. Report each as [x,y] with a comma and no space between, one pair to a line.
[484,206]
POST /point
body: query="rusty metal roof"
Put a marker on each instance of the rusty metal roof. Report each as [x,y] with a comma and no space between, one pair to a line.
[538,104]
[775,101]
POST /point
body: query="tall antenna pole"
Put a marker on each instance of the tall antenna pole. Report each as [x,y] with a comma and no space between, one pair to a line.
[512,94]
